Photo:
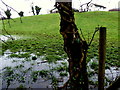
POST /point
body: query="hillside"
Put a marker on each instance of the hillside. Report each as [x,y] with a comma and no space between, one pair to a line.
[50,23]
[43,31]
[36,57]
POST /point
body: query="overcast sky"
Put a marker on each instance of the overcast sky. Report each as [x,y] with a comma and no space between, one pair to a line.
[47,5]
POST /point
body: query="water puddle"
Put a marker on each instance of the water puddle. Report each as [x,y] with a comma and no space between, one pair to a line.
[39,73]
[4,38]
[111,73]
[9,37]
[26,67]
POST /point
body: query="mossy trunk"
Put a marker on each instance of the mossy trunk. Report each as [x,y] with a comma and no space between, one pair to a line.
[74,46]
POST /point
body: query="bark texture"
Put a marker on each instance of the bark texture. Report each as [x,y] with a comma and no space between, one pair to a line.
[74,46]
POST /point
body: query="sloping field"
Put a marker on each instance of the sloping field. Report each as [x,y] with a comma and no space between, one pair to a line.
[44,36]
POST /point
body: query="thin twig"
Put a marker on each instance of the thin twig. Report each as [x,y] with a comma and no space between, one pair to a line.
[12,9]
[86,3]
[6,30]
[3,41]
[82,34]
[3,24]
[9,23]
[8,36]
[9,6]
[97,29]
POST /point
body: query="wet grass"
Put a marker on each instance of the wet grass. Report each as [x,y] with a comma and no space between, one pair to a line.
[25,55]
[20,74]
[0,34]
[45,39]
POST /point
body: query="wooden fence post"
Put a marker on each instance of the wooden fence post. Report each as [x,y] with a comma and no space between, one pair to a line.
[102,57]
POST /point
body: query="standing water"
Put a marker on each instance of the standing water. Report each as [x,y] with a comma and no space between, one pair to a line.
[26,72]
[39,73]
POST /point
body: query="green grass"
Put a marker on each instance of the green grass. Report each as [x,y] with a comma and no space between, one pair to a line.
[46,40]
[89,20]
[36,26]
[45,26]
[0,34]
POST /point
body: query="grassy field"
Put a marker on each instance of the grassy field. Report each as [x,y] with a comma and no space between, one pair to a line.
[45,39]
[0,34]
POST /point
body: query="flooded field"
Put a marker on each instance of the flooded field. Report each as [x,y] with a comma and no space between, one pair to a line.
[27,70]
[35,72]
[26,67]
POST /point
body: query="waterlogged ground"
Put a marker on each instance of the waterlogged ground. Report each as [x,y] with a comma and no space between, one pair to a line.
[35,72]
[39,60]
[111,72]
[21,68]
[11,37]
[29,72]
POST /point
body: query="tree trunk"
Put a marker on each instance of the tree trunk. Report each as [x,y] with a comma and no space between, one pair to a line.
[74,46]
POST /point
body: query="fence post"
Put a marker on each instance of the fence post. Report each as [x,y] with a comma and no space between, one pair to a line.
[102,57]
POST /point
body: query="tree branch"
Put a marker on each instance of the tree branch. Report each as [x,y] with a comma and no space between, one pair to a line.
[12,9]
[6,30]
[3,41]
[82,34]
[97,29]
[9,6]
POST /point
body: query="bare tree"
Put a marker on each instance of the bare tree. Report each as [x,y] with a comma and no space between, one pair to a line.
[88,4]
